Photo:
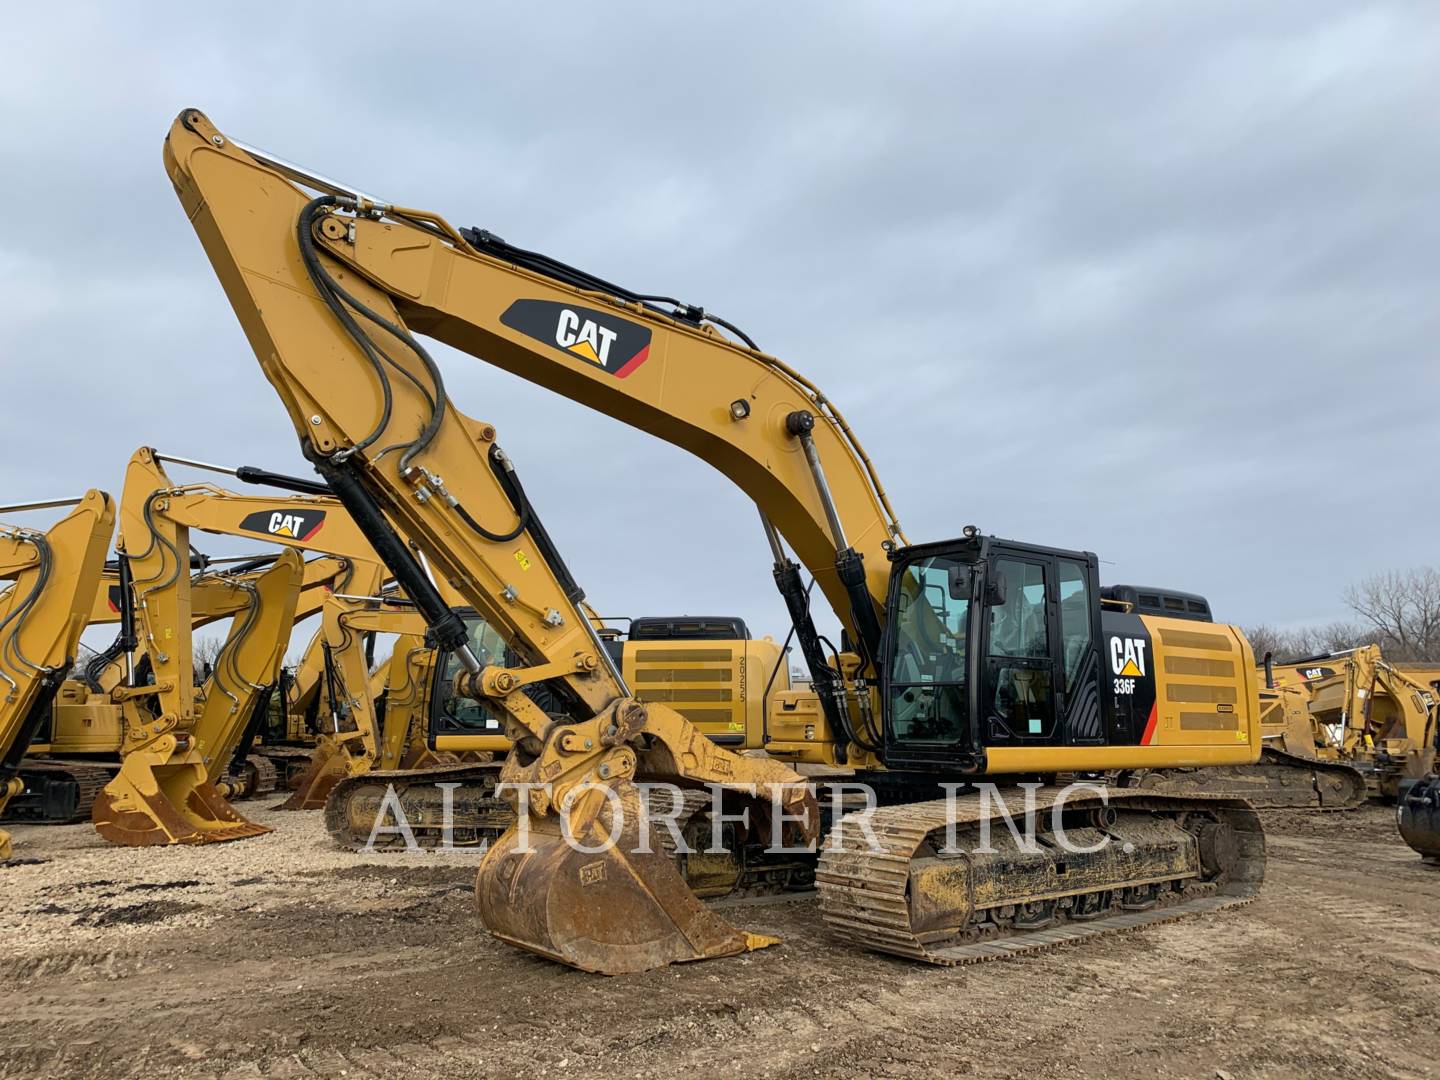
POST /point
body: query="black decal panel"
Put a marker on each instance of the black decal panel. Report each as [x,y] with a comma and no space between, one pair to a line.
[616,345]
[291,522]
[1127,672]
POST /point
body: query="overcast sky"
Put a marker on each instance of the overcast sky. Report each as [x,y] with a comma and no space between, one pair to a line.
[1156,280]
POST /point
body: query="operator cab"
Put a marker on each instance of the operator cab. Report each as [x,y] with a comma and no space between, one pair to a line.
[992,643]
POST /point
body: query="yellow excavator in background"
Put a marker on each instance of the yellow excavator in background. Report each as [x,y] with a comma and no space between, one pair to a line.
[171,760]
[53,576]
[78,742]
[1367,712]
[180,742]
[961,661]
[708,669]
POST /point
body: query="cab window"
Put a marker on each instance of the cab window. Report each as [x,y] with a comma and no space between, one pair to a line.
[1074,617]
[927,671]
[1017,627]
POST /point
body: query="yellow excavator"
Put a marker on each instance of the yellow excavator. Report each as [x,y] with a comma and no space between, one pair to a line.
[53,576]
[76,747]
[1368,713]
[961,661]
[173,757]
[180,742]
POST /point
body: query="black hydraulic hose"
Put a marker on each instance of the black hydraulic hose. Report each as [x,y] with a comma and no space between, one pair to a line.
[125,641]
[337,298]
[774,671]
[259,562]
[494,538]
[17,617]
[326,287]
[259,714]
[872,741]
[509,480]
[487,242]
[156,537]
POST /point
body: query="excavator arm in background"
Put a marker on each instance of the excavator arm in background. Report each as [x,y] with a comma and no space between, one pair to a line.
[53,576]
[67,763]
[166,790]
[354,743]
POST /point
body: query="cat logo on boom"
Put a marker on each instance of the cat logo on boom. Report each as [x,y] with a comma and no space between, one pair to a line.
[616,345]
[1127,656]
[584,337]
[291,523]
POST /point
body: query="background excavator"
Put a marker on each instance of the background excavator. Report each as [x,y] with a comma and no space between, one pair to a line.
[1367,712]
[165,791]
[961,660]
[53,576]
[708,669]
[77,746]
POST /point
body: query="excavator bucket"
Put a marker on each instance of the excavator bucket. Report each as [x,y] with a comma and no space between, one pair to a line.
[1419,816]
[148,804]
[609,907]
[326,769]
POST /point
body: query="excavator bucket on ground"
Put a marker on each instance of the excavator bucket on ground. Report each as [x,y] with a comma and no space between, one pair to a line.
[326,769]
[151,803]
[600,900]
[1418,810]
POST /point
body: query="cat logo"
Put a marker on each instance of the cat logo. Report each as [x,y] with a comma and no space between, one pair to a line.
[598,337]
[292,523]
[584,337]
[1127,656]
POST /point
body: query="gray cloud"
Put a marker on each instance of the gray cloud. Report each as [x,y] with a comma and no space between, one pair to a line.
[1155,281]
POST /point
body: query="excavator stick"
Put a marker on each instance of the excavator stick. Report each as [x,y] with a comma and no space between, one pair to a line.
[53,576]
[165,792]
[612,906]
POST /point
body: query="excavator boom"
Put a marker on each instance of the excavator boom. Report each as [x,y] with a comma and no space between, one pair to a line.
[53,576]
[373,417]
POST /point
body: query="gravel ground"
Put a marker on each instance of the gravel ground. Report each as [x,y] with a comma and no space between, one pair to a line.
[283,957]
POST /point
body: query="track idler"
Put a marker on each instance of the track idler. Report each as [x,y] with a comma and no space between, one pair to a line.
[150,803]
[601,901]
[1418,812]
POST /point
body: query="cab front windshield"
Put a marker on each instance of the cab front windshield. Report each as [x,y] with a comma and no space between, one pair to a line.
[928,695]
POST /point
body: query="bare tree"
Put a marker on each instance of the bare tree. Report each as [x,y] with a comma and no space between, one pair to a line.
[206,650]
[1306,640]
[1402,608]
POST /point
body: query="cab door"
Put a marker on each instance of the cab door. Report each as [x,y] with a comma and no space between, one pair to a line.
[1019,687]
